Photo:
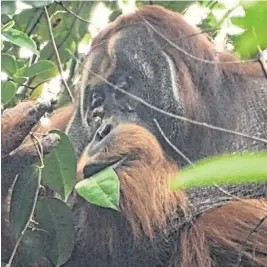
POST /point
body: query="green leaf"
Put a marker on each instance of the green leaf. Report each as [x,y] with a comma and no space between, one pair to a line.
[45,76]
[102,189]
[237,168]
[55,218]
[86,39]
[8,64]
[84,9]
[64,43]
[41,3]
[238,21]
[116,13]
[22,199]
[20,39]
[8,25]
[19,80]
[246,44]
[254,24]
[38,68]
[20,63]
[31,248]
[27,19]
[8,7]
[42,71]
[37,92]
[59,172]
[8,91]
[58,23]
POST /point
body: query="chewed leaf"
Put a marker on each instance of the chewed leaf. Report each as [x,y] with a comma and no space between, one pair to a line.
[237,168]
[102,189]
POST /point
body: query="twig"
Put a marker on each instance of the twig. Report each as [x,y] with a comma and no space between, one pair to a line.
[57,55]
[192,164]
[198,33]
[178,117]
[264,68]
[249,235]
[72,13]
[39,148]
[236,197]
[188,54]
[40,153]
[69,31]
[72,66]
[27,86]
[179,152]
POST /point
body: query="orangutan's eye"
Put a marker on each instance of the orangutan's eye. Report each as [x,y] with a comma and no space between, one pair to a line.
[118,94]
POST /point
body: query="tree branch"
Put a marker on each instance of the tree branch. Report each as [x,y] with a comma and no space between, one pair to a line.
[72,13]
[40,153]
[57,55]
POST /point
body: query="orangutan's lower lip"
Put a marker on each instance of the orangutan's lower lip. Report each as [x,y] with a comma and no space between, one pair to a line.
[93,168]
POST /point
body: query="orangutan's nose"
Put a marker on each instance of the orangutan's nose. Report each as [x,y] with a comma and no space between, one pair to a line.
[104,130]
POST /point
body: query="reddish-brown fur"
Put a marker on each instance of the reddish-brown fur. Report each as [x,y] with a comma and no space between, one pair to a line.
[218,237]
[231,230]
[229,95]
[149,173]
[177,34]
[147,203]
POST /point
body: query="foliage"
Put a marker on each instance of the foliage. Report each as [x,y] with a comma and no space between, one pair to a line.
[22,199]
[53,235]
[60,167]
[236,168]
[55,218]
[254,24]
[102,189]
[29,61]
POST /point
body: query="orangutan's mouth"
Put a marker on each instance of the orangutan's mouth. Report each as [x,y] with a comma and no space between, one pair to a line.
[102,137]
[93,168]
